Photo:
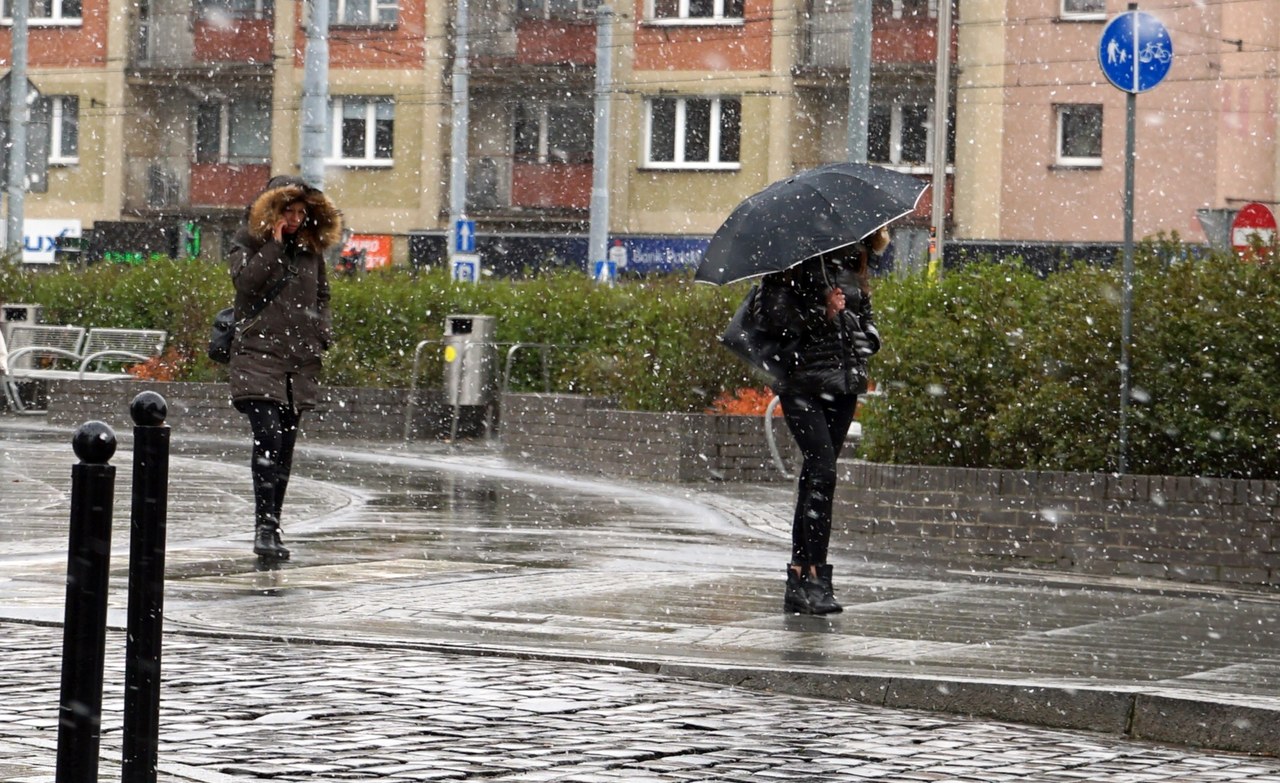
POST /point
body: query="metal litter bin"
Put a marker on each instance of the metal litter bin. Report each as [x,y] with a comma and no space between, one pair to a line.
[470,360]
[14,314]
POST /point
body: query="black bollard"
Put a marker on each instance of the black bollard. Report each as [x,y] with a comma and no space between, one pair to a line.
[141,735]
[84,629]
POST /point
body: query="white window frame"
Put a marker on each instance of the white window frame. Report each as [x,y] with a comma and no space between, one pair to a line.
[1060,112]
[369,160]
[57,19]
[379,11]
[541,112]
[225,112]
[895,139]
[682,17]
[899,7]
[1082,16]
[57,156]
[581,10]
[207,8]
[681,133]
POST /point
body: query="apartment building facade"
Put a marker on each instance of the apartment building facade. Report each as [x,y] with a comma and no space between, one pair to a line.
[1041,156]
[175,112]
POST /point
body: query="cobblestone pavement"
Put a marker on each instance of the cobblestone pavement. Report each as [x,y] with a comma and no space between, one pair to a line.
[237,709]
[455,616]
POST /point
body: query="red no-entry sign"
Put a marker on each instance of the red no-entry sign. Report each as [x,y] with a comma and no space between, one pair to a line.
[1254,223]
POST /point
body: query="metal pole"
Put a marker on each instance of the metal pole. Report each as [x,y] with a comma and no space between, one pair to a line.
[84,627]
[140,738]
[458,138]
[598,235]
[19,116]
[315,95]
[941,117]
[859,82]
[1126,305]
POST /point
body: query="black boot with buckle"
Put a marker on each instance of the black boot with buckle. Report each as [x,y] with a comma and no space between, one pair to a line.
[797,598]
[266,539]
[821,595]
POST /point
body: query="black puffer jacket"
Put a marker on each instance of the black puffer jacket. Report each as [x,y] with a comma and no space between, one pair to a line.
[278,351]
[821,355]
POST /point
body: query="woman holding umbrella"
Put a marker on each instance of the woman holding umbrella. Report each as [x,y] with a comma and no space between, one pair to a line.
[821,311]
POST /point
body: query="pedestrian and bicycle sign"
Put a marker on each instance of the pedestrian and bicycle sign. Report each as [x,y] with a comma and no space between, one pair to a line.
[1135,51]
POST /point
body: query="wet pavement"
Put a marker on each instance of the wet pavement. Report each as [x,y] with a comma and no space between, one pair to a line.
[449,614]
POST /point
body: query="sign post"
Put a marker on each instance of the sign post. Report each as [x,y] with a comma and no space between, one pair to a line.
[1254,224]
[1135,53]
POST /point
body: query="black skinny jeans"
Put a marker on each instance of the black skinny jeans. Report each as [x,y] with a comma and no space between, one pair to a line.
[819,423]
[275,431]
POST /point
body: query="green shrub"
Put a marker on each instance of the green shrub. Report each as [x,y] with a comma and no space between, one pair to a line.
[991,366]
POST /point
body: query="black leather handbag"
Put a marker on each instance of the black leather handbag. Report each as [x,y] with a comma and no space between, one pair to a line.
[748,339]
[223,331]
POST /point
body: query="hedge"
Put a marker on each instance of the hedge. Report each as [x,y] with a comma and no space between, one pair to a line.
[988,366]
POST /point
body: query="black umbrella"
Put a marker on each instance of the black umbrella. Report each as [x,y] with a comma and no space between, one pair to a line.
[805,215]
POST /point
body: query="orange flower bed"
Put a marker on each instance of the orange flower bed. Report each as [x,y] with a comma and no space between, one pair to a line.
[160,368]
[744,402]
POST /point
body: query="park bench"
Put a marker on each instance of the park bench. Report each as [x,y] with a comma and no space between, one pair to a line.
[45,353]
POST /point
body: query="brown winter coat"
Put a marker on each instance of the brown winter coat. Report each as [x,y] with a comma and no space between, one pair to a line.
[277,352]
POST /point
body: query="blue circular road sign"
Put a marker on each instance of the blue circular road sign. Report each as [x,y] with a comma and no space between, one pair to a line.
[1135,51]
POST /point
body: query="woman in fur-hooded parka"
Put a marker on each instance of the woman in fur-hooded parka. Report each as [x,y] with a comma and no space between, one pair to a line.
[275,357]
[281,346]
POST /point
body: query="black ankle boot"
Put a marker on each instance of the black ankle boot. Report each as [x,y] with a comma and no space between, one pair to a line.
[821,595]
[266,540]
[798,596]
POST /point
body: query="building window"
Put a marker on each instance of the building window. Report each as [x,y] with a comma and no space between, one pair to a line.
[1080,135]
[693,133]
[909,9]
[552,9]
[233,131]
[63,112]
[1084,9]
[554,132]
[695,10]
[361,131]
[234,9]
[363,13]
[900,134]
[45,12]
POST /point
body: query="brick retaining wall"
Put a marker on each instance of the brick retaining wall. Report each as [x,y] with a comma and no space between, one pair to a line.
[370,414]
[1170,527]
[590,435]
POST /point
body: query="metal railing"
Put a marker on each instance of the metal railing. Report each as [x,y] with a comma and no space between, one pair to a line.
[513,349]
[855,431]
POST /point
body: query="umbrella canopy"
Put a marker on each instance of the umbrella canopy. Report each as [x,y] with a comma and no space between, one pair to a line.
[806,215]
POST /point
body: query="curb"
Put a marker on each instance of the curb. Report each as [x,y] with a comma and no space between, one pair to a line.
[1151,716]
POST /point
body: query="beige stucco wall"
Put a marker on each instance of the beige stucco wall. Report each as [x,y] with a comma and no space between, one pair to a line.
[1205,137]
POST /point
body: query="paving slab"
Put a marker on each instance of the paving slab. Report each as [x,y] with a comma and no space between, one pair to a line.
[431,549]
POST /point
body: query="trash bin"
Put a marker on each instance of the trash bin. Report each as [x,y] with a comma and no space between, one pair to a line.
[11,314]
[470,360]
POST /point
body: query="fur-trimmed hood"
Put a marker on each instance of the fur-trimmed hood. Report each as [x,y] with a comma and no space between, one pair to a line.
[323,227]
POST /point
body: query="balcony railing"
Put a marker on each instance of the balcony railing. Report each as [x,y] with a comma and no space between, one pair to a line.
[827,39]
[173,41]
[531,34]
[175,183]
[501,184]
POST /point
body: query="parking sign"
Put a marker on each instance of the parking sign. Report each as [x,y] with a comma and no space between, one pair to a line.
[465,267]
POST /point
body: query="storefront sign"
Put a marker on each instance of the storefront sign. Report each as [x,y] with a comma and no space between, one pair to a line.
[376,249]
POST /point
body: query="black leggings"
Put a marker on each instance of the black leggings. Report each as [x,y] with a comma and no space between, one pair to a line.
[275,430]
[819,423]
